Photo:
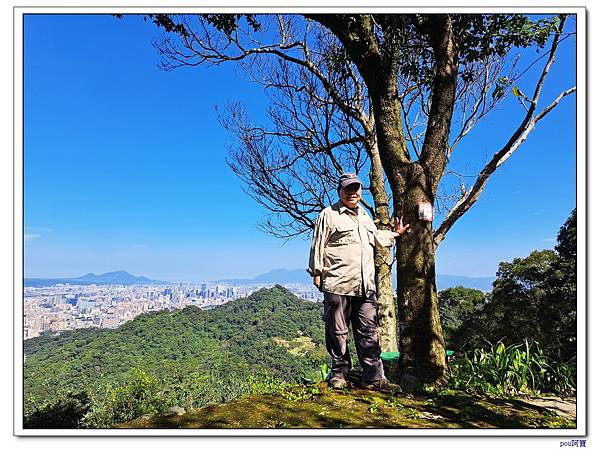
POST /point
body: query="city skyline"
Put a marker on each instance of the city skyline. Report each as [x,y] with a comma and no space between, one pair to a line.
[69,307]
[125,165]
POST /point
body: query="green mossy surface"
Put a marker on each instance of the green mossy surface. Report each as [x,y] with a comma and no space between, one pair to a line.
[317,406]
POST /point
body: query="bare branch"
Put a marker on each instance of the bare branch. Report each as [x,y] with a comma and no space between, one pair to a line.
[552,105]
[472,195]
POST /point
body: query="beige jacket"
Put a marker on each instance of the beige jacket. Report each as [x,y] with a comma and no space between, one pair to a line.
[342,250]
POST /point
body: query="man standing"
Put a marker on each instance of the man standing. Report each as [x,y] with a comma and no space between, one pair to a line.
[342,266]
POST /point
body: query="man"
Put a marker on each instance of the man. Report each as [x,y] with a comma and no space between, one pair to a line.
[342,266]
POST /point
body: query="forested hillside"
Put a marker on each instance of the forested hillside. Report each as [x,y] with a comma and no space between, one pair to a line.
[186,357]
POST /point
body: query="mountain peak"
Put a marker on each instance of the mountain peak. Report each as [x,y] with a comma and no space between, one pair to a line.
[118,272]
[116,277]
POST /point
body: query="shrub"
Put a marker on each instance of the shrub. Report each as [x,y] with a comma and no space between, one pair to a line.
[66,411]
[116,404]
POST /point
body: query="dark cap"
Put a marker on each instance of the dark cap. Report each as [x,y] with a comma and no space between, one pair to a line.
[348,179]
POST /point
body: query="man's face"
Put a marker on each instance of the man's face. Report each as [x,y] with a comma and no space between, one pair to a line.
[351,195]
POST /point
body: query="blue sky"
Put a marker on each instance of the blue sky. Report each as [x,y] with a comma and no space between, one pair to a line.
[125,165]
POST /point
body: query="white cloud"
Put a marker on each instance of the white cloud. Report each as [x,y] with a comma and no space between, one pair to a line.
[35,232]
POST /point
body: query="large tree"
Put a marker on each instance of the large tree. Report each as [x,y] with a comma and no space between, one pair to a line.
[561,317]
[403,62]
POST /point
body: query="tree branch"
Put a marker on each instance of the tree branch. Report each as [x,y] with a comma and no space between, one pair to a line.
[513,143]
[469,198]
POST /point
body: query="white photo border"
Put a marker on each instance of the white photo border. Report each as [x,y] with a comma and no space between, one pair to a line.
[18,230]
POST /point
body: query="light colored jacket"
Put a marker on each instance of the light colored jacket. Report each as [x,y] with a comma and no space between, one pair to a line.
[342,250]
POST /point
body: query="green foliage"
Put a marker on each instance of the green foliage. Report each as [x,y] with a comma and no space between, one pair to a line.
[228,23]
[374,406]
[186,358]
[482,35]
[513,369]
[567,240]
[517,92]
[518,307]
[533,300]
[324,372]
[456,304]
[66,410]
[561,320]
[139,395]
[477,37]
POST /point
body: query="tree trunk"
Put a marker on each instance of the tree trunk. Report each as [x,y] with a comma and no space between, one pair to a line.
[422,342]
[422,346]
[388,325]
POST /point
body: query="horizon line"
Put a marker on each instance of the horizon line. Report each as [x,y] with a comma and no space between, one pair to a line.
[227,278]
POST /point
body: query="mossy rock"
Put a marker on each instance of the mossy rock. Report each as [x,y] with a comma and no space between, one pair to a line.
[317,406]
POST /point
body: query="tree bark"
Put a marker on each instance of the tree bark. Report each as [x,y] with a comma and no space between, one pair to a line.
[422,345]
[388,335]
[422,340]
[388,331]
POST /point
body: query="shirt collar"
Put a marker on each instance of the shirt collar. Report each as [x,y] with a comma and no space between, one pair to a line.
[343,208]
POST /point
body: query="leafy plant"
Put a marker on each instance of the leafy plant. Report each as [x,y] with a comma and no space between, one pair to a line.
[510,370]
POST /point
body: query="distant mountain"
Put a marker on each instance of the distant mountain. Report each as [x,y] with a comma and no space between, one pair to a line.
[276,276]
[118,277]
[289,276]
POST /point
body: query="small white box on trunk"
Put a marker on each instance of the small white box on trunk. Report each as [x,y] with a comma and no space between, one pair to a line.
[425,212]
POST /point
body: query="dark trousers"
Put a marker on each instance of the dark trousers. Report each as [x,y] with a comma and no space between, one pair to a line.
[340,310]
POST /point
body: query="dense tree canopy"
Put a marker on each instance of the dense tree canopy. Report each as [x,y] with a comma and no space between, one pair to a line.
[533,298]
[456,305]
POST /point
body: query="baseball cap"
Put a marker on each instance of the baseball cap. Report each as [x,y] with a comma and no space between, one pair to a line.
[347,179]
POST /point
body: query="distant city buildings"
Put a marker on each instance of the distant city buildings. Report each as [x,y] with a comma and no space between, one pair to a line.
[68,307]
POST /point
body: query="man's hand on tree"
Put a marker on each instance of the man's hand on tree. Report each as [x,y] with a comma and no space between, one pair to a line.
[399,227]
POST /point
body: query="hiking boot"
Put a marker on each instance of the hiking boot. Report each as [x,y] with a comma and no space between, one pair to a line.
[338,383]
[383,385]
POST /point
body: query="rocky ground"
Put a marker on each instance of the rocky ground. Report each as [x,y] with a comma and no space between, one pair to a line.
[566,407]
